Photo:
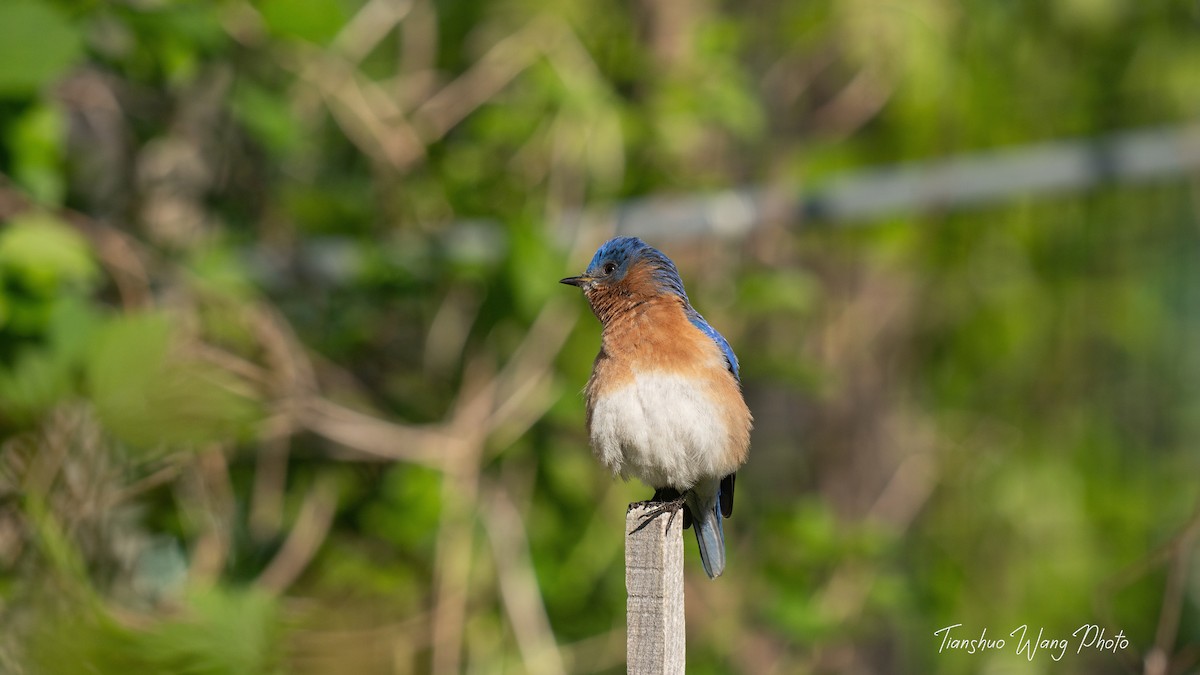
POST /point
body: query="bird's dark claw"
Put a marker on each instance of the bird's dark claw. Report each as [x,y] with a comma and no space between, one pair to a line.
[665,500]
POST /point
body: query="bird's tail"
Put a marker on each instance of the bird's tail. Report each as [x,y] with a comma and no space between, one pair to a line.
[706,517]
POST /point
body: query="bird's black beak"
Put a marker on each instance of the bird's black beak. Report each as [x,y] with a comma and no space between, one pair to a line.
[575,281]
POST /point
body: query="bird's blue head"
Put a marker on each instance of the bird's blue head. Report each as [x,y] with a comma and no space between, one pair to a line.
[629,265]
[626,272]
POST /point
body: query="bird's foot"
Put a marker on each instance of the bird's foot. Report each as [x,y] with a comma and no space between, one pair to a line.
[665,500]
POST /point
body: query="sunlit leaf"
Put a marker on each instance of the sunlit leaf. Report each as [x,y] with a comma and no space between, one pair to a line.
[37,45]
[44,254]
[36,141]
[148,396]
[217,632]
[316,21]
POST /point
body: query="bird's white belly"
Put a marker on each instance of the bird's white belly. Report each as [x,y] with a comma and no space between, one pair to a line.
[662,429]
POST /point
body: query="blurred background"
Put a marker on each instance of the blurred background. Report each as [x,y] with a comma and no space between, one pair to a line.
[288,384]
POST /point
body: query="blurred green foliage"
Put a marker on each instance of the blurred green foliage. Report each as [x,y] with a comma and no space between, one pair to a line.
[287,384]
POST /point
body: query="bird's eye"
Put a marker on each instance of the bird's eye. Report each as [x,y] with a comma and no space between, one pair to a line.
[609,267]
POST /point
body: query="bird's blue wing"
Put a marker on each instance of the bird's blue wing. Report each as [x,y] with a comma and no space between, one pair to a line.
[730,359]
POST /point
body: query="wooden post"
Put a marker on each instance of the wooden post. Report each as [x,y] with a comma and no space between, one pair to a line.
[654,586]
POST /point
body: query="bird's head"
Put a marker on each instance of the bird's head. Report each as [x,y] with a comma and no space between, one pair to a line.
[624,271]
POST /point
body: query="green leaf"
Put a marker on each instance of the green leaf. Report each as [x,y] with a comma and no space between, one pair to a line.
[225,632]
[37,380]
[218,632]
[37,45]
[148,399]
[268,116]
[314,20]
[72,326]
[35,140]
[45,254]
[40,377]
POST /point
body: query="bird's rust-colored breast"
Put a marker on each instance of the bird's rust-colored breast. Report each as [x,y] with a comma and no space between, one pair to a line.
[654,336]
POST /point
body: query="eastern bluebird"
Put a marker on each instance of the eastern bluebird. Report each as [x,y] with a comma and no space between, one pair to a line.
[664,402]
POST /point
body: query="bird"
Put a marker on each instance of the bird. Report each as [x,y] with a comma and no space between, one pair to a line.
[664,400]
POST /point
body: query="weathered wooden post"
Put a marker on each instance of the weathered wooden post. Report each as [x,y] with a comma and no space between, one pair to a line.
[654,586]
